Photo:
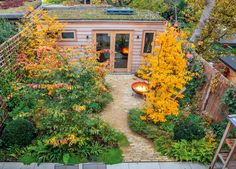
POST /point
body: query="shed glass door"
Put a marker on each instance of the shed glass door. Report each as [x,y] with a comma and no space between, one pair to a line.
[114,46]
[103,41]
[121,51]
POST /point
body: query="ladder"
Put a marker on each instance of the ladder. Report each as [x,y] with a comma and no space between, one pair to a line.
[226,157]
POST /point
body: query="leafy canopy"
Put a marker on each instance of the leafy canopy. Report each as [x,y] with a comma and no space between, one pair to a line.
[165,70]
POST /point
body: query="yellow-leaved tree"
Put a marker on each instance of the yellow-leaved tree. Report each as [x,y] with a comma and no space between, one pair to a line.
[166,72]
[39,30]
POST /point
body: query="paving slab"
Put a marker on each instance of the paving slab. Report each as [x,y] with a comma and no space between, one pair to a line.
[45,166]
[174,165]
[1,165]
[94,166]
[118,166]
[144,165]
[12,165]
[31,166]
[198,166]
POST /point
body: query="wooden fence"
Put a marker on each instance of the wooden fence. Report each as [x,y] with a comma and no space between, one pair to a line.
[213,91]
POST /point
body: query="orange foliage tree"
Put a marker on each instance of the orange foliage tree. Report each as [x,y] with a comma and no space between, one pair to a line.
[38,30]
[166,71]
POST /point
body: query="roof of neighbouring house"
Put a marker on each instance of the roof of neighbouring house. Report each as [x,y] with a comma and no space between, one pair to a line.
[98,13]
[18,12]
[230,62]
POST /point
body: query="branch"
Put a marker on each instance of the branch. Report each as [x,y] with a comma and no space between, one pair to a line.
[203,20]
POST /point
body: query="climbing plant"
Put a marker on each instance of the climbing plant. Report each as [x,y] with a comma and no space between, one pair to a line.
[229,98]
[165,70]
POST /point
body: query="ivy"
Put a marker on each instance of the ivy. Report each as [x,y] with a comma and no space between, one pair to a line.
[229,98]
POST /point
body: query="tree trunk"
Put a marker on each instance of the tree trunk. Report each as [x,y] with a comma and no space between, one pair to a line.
[203,20]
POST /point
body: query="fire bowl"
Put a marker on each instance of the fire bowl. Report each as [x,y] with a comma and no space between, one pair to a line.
[140,87]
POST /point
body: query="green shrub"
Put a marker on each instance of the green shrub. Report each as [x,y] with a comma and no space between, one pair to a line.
[18,132]
[122,140]
[229,99]
[196,150]
[189,128]
[111,156]
[195,83]
[7,30]
[136,124]
[218,129]
[145,128]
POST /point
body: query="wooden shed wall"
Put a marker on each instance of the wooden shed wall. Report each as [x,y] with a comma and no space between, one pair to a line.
[86,28]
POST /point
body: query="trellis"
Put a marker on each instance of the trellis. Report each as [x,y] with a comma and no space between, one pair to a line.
[8,52]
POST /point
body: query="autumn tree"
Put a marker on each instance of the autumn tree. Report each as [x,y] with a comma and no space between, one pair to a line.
[215,19]
[169,9]
[165,71]
[39,30]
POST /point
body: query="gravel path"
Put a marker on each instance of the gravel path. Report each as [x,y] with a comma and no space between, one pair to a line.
[116,114]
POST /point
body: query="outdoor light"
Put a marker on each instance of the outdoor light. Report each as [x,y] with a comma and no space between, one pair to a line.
[138,37]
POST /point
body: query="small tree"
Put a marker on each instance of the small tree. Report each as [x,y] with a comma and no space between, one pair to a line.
[39,30]
[165,70]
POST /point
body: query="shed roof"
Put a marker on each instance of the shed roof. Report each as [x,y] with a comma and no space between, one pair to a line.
[99,13]
[230,62]
[18,12]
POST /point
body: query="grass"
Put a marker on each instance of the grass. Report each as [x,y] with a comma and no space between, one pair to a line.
[100,14]
[122,140]
[111,156]
[20,9]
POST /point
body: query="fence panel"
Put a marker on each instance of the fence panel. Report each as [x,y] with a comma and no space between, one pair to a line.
[212,92]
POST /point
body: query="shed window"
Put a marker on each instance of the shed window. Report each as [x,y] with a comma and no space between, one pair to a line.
[148,39]
[84,1]
[68,35]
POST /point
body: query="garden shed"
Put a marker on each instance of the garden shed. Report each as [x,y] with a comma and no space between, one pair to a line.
[121,35]
[230,62]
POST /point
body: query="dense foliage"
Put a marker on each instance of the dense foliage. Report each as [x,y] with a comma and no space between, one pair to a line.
[220,25]
[229,98]
[7,30]
[166,72]
[171,10]
[18,132]
[197,81]
[189,129]
[186,136]
[201,150]
[57,94]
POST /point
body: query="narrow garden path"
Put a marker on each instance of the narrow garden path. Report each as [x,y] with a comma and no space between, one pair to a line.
[116,114]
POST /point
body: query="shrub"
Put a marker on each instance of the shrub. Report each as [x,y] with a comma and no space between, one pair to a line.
[196,150]
[111,156]
[229,99]
[196,67]
[145,128]
[18,132]
[6,30]
[189,129]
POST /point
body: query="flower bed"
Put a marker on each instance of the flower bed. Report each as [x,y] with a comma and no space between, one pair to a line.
[51,104]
